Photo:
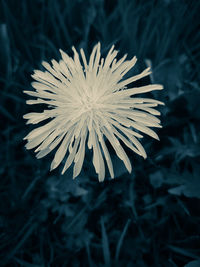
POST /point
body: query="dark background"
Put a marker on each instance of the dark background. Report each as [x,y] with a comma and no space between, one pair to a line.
[148,218]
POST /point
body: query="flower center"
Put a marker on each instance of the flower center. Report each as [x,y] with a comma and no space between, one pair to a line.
[89,104]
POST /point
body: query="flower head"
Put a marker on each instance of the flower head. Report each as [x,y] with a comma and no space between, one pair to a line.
[88,105]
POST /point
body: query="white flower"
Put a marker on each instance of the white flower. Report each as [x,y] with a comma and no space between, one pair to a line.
[88,105]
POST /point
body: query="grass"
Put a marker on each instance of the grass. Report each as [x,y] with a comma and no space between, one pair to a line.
[148,218]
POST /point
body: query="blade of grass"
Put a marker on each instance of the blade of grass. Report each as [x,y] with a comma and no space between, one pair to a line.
[121,240]
[14,31]
[105,244]
[7,114]
[183,252]
[20,243]
[5,50]
[91,264]
[27,264]
[77,217]
[30,187]
[63,26]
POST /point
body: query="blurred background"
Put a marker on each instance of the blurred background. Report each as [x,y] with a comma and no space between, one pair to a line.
[148,218]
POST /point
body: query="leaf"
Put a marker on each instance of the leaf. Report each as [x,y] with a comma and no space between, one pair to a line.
[193,264]
[79,191]
[180,150]
[186,149]
[178,190]
[27,264]
[183,252]
[186,183]
[105,244]
[190,188]
[156,179]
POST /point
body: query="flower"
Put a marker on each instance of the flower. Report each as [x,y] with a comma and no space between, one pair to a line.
[88,105]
